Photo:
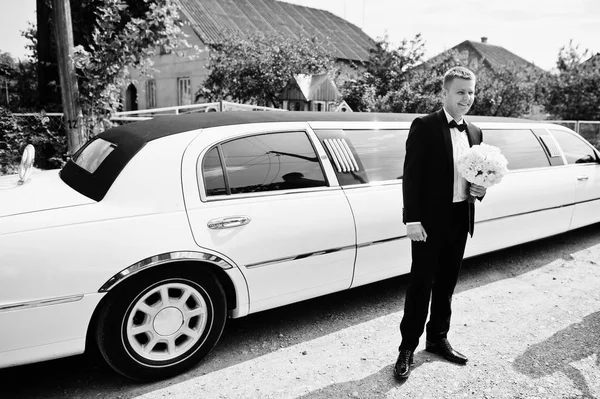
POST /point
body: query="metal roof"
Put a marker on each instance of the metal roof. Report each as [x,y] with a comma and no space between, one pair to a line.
[213,19]
[494,56]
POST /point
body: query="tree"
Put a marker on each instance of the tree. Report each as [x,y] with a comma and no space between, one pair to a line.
[257,68]
[113,35]
[510,90]
[18,84]
[572,93]
[421,89]
[15,135]
[409,85]
[387,70]
[109,37]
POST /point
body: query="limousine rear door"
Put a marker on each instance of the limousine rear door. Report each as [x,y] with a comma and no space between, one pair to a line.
[369,164]
[583,162]
[534,200]
[261,197]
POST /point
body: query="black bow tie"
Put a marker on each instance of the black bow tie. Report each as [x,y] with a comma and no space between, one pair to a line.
[462,127]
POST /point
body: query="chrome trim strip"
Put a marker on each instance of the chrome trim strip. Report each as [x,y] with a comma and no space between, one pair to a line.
[337,154]
[157,260]
[298,257]
[324,252]
[550,145]
[333,156]
[368,244]
[340,153]
[349,154]
[40,303]
[530,212]
[373,184]
[271,193]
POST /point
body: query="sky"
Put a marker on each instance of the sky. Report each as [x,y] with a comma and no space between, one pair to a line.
[533,29]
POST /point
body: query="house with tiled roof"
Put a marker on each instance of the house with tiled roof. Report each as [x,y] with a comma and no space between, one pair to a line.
[208,22]
[310,93]
[492,56]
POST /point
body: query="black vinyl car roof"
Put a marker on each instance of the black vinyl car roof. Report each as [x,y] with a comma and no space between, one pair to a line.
[162,126]
[130,138]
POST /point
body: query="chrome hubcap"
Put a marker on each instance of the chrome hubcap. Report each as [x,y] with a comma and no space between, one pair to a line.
[167,321]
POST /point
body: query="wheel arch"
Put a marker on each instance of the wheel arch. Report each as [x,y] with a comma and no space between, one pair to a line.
[200,261]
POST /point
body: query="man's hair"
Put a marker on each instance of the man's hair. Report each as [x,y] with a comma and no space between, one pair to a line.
[458,73]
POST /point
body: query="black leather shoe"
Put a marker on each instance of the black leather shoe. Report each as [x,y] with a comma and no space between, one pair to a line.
[402,367]
[444,349]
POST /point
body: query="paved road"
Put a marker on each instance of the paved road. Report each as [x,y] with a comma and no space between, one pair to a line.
[527,317]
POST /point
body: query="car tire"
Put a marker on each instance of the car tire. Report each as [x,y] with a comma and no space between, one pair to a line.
[161,322]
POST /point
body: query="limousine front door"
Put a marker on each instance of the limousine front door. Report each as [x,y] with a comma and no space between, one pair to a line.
[290,233]
[584,165]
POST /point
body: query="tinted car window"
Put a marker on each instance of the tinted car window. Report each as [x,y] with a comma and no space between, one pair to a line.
[381,152]
[576,150]
[93,154]
[520,147]
[212,170]
[270,162]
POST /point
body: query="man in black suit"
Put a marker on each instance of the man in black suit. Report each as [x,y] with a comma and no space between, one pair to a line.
[438,216]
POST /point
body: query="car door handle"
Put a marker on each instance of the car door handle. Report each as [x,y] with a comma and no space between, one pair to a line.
[229,222]
[582,178]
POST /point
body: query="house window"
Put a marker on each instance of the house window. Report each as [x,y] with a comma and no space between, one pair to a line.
[184,91]
[318,106]
[151,93]
[295,106]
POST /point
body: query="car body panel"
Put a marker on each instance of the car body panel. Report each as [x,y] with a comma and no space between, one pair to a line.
[45,332]
[43,191]
[280,242]
[383,249]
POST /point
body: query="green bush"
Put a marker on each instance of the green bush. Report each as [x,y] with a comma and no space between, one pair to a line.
[15,134]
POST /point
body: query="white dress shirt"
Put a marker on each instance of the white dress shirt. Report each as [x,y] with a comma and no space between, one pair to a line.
[460,143]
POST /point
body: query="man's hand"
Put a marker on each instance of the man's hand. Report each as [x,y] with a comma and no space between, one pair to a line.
[477,191]
[416,232]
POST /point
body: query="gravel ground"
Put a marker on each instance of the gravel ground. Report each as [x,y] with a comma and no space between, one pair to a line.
[528,318]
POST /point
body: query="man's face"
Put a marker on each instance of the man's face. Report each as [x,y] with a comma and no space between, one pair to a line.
[459,96]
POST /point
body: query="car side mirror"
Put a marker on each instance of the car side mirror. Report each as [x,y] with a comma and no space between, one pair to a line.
[586,159]
[26,165]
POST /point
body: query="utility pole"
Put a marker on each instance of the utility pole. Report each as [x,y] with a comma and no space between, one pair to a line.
[63,32]
[46,74]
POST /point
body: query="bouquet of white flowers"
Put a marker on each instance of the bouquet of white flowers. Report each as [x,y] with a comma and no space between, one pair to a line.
[482,164]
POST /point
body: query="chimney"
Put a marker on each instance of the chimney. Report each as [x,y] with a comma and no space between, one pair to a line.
[483,39]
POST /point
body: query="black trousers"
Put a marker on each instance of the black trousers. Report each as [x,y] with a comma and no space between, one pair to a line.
[434,272]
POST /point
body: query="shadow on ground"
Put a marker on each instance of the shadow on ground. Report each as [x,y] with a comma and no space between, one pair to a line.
[376,385]
[265,332]
[558,353]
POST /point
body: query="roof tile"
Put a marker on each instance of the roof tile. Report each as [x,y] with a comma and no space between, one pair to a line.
[213,19]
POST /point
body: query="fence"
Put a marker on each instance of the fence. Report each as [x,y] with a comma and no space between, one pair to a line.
[56,123]
[220,106]
[590,130]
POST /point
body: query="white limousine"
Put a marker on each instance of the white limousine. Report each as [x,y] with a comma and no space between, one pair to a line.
[156,232]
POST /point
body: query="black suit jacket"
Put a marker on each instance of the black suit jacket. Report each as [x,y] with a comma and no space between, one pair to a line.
[427,182]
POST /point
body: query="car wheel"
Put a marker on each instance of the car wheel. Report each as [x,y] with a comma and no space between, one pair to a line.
[161,323]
